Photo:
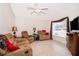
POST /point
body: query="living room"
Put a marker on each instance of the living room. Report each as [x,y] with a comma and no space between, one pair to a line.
[33,18]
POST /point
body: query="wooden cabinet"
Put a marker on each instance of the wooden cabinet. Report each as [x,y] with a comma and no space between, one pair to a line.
[73,43]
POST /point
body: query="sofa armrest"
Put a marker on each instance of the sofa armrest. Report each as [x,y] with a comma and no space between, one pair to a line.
[26,51]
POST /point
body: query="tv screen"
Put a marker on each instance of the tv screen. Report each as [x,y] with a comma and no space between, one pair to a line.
[75,24]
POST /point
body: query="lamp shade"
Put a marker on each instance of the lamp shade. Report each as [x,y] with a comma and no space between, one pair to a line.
[14,28]
[34,29]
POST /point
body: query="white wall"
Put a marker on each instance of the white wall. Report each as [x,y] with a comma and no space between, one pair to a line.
[25,21]
[6,18]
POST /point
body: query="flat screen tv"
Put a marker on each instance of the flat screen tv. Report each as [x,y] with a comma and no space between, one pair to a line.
[75,24]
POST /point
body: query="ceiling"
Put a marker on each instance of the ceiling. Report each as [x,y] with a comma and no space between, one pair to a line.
[54,12]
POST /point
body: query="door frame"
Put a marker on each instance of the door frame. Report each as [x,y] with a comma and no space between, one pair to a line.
[60,20]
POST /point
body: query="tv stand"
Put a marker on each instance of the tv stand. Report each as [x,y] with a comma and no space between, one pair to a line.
[73,43]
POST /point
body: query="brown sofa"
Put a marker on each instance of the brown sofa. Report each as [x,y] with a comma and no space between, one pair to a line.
[43,35]
[24,47]
[26,35]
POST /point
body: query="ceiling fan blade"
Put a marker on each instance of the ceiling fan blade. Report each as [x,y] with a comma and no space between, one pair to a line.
[33,12]
[44,9]
[42,12]
[30,8]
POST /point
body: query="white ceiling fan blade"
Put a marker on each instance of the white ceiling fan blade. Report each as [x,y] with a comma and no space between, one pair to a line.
[33,12]
[42,12]
[30,8]
[44,9]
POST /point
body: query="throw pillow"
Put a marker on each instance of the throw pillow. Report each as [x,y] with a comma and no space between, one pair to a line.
[13,40]
[3,41]
[9,35]
[11,47]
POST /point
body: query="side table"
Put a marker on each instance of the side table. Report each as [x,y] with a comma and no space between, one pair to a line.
[36,37]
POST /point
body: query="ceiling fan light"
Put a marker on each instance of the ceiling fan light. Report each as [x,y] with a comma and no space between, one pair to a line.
[37,9]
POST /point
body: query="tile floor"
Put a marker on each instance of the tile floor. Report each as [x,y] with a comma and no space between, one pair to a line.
[49,48]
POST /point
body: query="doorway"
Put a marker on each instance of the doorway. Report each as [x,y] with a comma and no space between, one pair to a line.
[59,28]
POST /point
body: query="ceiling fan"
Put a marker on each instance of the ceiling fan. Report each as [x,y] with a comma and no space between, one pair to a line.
[37,9]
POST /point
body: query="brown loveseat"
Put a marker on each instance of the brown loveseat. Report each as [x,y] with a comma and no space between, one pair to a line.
[43,35]
[24,47]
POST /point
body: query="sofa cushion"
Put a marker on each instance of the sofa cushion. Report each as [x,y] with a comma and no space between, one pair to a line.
[12,44]
[9,35]
[2,52]
[13,40]
[43,30]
